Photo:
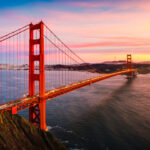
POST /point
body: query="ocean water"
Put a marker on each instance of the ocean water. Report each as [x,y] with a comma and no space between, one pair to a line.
[113,114]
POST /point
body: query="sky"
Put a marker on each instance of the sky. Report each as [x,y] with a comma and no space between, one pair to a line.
[97,30]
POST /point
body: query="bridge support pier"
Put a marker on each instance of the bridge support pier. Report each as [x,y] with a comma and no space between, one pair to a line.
[14,110]
[37,112]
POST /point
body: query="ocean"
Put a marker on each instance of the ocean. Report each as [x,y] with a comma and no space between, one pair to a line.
[112,114]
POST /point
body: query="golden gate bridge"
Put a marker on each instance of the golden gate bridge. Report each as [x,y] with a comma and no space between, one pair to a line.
[33,55]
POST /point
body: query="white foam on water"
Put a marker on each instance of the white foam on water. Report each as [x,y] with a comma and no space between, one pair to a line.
[49,128]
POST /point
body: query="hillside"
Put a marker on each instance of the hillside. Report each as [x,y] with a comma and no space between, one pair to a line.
[17,133]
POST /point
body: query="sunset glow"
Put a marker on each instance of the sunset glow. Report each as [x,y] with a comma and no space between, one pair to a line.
[96,30]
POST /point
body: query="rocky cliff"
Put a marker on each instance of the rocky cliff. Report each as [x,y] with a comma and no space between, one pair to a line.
[17,133]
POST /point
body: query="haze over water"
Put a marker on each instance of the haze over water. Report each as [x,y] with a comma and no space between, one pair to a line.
[112,114]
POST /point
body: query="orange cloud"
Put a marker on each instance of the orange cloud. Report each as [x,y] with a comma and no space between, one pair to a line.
[101,57]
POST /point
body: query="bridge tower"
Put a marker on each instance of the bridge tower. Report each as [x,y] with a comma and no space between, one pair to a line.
[37,112]
[129,66]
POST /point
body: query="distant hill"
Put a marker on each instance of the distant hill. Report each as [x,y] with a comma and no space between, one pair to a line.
[104,67]
[17,133]
[114,62]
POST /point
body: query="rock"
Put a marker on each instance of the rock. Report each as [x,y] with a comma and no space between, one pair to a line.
[17,133]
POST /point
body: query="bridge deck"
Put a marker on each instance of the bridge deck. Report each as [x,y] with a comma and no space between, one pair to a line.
[27,102]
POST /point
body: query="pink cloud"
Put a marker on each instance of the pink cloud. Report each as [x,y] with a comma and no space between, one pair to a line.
[144,4]
[120,38]
[111,44]
[79,24]
[93,28]
[89,4]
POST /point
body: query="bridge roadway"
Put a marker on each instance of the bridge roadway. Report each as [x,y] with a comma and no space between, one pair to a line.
[29,101]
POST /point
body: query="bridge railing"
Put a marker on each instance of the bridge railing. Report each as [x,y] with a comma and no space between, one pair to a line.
[62,65]
[34,60]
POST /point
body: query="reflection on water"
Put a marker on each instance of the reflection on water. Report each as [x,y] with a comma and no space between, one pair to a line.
[113,114]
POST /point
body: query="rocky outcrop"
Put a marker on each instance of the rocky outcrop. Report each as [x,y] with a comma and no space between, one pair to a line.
[17,133]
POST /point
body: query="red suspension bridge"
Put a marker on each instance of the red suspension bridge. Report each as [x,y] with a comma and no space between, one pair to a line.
[36,66]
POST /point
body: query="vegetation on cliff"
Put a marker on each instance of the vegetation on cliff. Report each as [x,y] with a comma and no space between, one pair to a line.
[17,133]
